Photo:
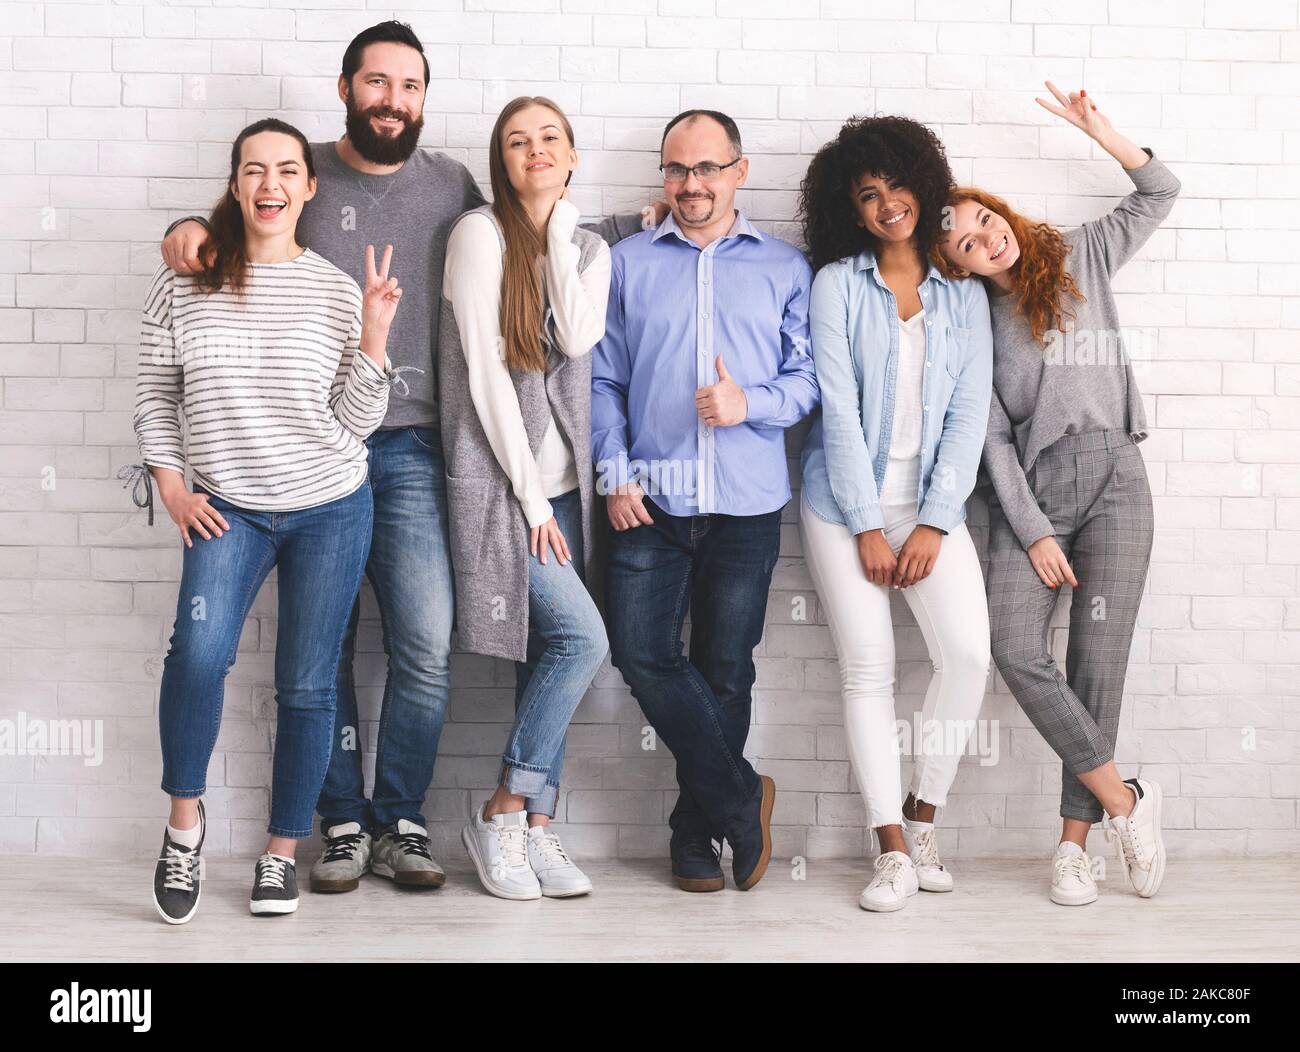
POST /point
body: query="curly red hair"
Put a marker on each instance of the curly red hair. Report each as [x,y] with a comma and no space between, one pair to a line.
[1043,282]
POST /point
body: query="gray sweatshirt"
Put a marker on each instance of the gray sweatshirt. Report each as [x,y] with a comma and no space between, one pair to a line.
[413,210]
[1079,378]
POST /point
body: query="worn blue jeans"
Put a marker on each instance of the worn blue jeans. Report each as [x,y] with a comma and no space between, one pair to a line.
[410,572]
[319,554]
[566,644]
[722,566]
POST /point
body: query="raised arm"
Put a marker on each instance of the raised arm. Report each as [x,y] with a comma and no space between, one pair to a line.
[359,393]
[1117,236]
[578,300]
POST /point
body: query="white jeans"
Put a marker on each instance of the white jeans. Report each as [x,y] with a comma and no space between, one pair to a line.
[952,612]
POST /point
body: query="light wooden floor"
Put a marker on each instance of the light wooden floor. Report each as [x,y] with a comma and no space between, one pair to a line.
[1247,911]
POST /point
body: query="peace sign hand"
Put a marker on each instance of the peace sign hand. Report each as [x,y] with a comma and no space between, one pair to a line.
[381,295]
[1079,109]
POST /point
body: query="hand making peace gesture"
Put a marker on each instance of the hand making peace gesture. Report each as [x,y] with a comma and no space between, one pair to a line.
[381,294]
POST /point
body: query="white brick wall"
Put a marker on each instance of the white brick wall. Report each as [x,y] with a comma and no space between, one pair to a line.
[115,118]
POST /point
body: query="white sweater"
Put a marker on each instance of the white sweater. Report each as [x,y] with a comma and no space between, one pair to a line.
[472,283]
[273,386]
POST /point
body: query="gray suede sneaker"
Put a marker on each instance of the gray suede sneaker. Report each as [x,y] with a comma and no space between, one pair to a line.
[404,856]
[345,860]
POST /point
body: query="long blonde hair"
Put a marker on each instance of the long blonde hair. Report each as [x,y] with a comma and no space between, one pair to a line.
[521,283]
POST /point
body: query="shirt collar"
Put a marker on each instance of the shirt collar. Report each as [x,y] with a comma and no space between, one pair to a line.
[866,260]
[740,227]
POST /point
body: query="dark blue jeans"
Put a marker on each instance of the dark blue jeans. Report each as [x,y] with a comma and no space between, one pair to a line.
[721,565]
[410,572]
[319,554]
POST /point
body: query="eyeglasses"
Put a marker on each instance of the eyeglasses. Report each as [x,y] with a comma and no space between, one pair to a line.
[677,173]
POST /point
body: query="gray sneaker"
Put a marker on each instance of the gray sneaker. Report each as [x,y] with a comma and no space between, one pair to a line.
[404,856]
[345,860]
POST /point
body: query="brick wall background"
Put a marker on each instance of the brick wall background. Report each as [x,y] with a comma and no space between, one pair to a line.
[116,118]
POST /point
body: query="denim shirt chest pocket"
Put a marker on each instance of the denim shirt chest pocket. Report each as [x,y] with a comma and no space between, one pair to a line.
[957,347]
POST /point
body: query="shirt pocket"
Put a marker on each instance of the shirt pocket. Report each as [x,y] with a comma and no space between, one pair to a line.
[957,349]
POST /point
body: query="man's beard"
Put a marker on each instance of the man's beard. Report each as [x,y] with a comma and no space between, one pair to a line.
[376,147]
[705,200]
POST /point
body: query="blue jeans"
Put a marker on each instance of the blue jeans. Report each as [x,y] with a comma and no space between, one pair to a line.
[410,572]
[722,565]
[566,644]
[320,553]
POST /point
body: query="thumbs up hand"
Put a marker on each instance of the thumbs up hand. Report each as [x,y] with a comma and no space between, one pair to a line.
[722,404]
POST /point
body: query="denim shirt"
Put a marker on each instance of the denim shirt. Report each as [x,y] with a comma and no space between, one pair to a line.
[854,322]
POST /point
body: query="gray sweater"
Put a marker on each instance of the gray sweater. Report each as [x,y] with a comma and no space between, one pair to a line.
[1077,379]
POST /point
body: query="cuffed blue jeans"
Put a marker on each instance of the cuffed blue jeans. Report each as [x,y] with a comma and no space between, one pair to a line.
[319,554]
[566,644]
[410,571]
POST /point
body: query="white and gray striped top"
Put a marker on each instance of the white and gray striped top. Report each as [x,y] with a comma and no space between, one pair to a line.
[277,397]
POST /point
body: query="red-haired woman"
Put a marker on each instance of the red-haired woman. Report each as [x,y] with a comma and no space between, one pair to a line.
[1071,500]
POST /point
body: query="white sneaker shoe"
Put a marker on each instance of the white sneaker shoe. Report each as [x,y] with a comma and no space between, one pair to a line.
[556,872]
[1139,845]
[893,884]
[930,871]
[499,850]
[1072,881]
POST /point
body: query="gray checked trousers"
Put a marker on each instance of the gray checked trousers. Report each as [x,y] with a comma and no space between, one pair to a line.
[1093,487]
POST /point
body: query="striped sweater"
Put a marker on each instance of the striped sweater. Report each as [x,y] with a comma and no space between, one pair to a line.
[277,397]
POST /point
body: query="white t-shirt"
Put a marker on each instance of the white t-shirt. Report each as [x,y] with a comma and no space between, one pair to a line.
[903,471]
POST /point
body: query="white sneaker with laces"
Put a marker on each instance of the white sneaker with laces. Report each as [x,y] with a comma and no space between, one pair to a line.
[930,871]
[1072,880]
[1139,845]
[499,850]
[892,885]
[556,872]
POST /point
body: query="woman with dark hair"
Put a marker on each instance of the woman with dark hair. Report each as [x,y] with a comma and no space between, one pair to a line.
[277,362]
[1071,502]
[524,297]
[903,357]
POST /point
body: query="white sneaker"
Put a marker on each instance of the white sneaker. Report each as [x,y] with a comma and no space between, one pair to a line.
[930,872]
[1072,881]
[1139,845]
[499,850]
[893,884]
[556,872]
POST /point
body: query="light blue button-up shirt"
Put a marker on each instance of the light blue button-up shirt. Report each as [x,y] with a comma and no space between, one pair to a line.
[854,321]
[673,309]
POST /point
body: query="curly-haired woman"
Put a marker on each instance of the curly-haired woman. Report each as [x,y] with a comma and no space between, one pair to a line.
[904,358]
[1072,504]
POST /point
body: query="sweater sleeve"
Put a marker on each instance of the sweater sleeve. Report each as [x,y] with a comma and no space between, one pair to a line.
[472,284]
[578,301]
[359,393]
[160,380]
[1002,461]
[1117,236]
[616,227]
